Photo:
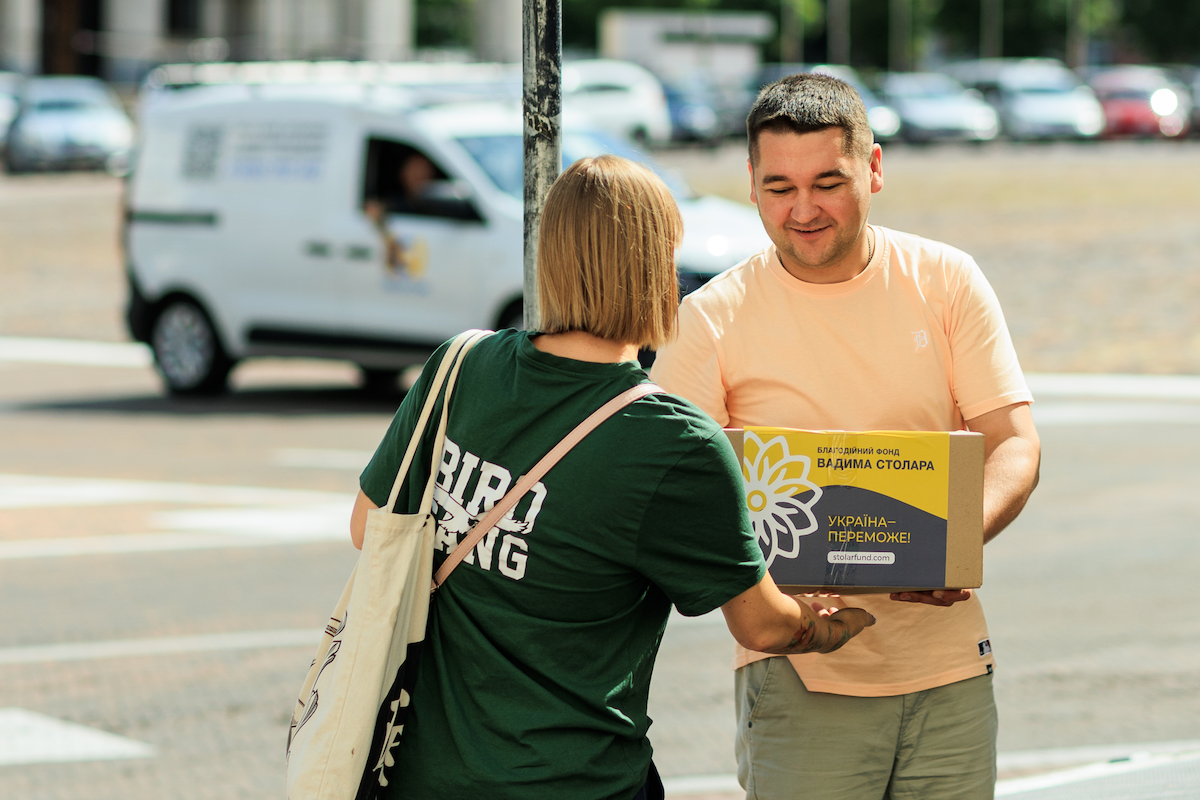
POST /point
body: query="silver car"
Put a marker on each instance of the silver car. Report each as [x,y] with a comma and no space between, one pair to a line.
[1036,98]
[68,122]
[934,107]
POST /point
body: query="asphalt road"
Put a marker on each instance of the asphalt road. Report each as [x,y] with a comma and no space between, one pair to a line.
[164,564]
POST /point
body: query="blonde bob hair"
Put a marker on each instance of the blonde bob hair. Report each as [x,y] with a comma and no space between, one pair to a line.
[606,253]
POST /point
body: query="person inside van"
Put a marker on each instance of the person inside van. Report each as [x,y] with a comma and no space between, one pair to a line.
[402,180]
[535,672]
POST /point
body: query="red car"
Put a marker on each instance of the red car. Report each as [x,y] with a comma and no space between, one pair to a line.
[1141,101]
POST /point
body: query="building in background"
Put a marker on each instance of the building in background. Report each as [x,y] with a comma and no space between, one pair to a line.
[724,46]
[122,39]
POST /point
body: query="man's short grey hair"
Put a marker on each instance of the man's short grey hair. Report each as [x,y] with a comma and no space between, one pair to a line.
[807,103]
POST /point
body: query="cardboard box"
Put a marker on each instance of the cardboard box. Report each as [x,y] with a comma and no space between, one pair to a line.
[864,512]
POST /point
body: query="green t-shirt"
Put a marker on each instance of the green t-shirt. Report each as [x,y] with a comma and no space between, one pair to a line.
[536,668]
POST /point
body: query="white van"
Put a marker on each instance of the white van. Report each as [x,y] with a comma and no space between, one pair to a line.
[342,221]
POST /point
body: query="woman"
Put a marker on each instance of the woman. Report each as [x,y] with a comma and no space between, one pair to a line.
[537,661]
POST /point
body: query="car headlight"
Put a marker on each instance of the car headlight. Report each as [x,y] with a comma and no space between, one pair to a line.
[983,119]
[1090,121]
[1164,102]
[883,121]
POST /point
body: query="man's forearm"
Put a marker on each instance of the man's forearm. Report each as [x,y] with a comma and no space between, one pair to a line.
[1010,475]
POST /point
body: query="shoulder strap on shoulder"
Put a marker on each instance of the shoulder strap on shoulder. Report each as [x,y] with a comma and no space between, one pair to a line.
[448,368]
[534,475]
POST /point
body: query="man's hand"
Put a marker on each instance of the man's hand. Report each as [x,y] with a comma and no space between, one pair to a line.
[937,597]
[766,620]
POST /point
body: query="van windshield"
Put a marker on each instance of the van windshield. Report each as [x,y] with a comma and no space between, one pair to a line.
[501,158]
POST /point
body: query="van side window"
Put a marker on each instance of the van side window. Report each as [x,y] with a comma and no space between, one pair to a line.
[400,179]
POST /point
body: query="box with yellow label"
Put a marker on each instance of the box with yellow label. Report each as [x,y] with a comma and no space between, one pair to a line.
[873,511]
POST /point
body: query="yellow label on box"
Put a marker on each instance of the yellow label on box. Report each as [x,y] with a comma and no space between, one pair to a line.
[867,508]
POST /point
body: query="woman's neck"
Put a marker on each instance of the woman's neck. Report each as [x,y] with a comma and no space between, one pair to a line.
[582,346]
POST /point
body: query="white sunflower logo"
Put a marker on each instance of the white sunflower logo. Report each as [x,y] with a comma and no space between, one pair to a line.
[773,479]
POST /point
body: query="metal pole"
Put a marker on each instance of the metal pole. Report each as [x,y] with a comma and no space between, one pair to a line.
[837,14]
[542,67]
[991,28]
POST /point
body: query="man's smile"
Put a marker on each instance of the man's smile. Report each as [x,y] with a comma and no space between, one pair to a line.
[809,233]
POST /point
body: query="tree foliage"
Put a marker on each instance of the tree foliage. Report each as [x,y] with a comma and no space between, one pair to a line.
[1161,30]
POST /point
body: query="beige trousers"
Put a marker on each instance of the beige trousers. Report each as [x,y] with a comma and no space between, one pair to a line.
[793,744]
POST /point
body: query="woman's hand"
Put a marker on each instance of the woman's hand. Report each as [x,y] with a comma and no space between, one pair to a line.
[766,620]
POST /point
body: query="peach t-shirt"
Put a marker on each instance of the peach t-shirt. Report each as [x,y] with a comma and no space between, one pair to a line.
[917,341]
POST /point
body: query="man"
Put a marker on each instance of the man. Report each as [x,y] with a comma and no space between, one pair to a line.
[844,325]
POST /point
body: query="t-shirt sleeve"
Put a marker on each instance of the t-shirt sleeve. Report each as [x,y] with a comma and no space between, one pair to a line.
[690,366]
[696,542]
[380,473]
[987,375]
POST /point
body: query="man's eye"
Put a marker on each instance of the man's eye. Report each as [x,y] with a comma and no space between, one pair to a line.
[778,191]
[827,187]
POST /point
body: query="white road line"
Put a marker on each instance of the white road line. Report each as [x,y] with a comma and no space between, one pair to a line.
[161,646]
[74,351]
[1113,760]
[1067,756]
[313,458]
[27,737]
[1090,772]
[126,543]
[1101,413]
[134,354]
[310,522]
[34,491]
[702,784]
[1156,387]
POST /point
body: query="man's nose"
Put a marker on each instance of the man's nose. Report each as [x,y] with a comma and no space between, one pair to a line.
[804,209]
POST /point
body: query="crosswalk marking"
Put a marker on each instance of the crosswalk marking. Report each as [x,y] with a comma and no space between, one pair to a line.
[160,646]
[323,458]
[1157,387]
[45,491]
[1106,413]
[76,352]
[27,737]
[58,547]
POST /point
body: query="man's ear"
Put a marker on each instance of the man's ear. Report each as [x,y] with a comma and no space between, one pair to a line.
[753,191]
[876,168]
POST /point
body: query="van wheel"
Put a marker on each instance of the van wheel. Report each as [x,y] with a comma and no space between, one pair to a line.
[379,381]
[187,352]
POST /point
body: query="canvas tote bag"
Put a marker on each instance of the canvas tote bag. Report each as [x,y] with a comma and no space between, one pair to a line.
[351,709]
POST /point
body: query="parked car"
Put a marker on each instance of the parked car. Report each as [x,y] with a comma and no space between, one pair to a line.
[936,107]
[694,116]
[619,97]
[339,221]
[1140,100]
[884,121]
[1035,98]
[67,122]
[10,86]
[1188,77]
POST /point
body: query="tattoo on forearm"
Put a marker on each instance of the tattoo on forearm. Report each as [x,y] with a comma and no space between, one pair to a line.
[814,638]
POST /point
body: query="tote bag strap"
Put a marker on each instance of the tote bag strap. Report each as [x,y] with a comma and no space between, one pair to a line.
[534,475]
[451,362]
